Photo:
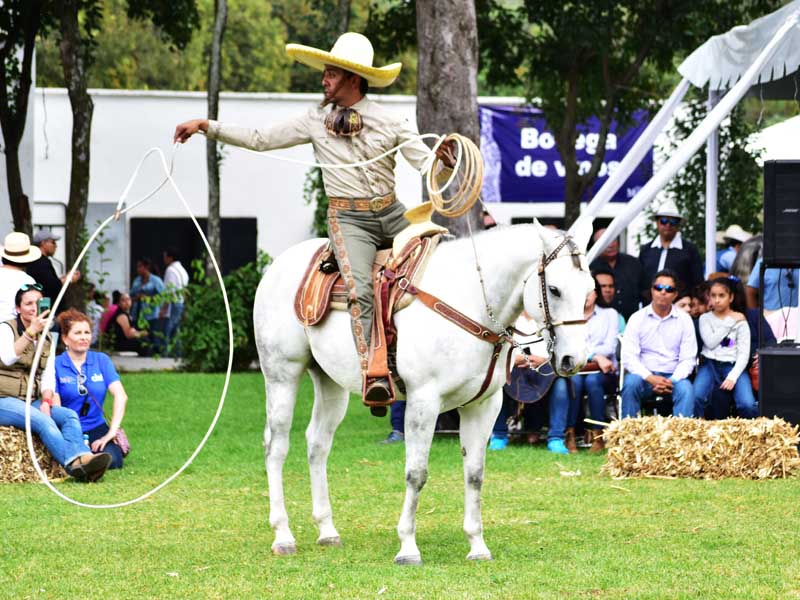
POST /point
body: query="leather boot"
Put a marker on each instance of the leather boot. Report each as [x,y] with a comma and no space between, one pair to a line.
[378,394]
[569,440]
[598,445]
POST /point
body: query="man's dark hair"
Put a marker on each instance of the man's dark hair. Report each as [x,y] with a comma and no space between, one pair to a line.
[172,252]
[115,296]
[666,273]
[363,86]
[145,262]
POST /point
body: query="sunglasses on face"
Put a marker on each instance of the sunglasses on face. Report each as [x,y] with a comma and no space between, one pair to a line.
[669,221]
[31,286]
[660,287]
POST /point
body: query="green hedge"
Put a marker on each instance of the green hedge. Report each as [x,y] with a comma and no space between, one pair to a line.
[204,331]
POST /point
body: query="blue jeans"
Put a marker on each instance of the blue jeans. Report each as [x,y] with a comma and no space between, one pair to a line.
[111,448]
[594,386]
[563,408]
[710,375]
[635,390]
[60,433]
[171,328]
[397,415]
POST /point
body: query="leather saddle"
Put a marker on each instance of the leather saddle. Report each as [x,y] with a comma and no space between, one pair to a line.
[323,289]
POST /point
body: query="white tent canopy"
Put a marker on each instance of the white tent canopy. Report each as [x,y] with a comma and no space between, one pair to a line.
[766,49]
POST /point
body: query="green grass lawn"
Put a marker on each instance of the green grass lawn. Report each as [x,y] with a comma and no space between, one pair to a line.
[207,534]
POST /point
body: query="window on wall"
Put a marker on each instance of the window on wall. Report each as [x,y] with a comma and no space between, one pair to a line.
[151,236]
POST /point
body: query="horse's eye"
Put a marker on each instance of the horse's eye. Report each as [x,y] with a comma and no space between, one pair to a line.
[554,291]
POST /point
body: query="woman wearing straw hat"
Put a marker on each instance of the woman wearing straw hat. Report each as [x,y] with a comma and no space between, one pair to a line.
[346,127]
[17,253]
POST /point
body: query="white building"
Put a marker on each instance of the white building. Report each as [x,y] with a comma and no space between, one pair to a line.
[268,193]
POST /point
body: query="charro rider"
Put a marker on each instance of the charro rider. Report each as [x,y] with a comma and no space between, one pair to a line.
[347,127]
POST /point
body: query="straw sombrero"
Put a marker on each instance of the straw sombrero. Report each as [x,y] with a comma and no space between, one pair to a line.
[351,52]
[17,248]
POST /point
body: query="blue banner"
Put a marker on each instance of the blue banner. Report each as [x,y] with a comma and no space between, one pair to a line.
[522,163]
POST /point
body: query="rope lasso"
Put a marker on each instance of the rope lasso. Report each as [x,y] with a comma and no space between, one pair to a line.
[40,346]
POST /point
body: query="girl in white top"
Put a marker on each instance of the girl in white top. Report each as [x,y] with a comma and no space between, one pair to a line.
[726,349]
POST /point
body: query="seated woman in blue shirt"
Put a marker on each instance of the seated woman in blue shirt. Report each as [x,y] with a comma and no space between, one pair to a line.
[82,379]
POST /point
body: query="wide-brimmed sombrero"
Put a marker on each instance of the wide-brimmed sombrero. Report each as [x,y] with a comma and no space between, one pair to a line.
[351,52]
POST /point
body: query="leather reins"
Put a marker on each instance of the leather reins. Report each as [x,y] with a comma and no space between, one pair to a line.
[484,333]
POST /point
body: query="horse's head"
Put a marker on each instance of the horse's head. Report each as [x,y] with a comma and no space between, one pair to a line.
[556,291]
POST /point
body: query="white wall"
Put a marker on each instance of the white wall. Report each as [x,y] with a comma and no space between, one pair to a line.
[128,123]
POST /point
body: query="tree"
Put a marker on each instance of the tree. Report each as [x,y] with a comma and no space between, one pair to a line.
[212,155]
[447,79]
[581,59]
[20,22]
[79,21]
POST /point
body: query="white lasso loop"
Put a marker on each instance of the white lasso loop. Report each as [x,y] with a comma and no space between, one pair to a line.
[40,346]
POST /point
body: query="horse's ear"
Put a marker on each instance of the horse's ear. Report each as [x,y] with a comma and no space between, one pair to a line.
[581,231]
[547,235]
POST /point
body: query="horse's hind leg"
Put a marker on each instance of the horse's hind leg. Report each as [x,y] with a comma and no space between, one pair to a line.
[330,405]
[420,423]
[281,386]
[477,420]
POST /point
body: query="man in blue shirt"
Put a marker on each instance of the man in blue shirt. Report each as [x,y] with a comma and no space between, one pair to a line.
[145,286]
[780,288]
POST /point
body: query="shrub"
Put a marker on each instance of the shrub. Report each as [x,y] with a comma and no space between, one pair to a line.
[204,331]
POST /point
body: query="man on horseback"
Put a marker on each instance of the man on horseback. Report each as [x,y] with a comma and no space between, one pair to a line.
[347,127]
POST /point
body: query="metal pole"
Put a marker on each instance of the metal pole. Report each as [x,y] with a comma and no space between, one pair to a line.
[712,177]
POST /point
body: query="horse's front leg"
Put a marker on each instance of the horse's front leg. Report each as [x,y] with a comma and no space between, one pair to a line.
[477,420]
[420,422]
[281,395]
[330,405]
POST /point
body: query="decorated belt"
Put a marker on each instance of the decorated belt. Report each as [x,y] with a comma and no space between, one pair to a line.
[376,204]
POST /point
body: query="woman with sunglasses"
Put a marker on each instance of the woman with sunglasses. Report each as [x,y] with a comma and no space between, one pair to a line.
[82,379]
[58,427]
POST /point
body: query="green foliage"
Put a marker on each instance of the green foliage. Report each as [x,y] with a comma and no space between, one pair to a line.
[739,198]
[314,193]
[204,331]
[133,53]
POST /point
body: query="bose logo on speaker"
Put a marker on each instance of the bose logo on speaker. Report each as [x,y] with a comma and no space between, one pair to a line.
[791,210]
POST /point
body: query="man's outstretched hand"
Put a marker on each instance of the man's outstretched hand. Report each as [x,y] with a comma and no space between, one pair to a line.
[186,130]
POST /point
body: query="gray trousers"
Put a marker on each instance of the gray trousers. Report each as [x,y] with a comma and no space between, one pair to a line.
[356,237]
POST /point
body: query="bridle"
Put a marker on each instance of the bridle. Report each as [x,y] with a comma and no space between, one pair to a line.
[549,324]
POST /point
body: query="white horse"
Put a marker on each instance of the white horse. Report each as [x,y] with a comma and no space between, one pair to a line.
[442,365]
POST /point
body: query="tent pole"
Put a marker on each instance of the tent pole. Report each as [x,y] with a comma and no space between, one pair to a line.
[712,179]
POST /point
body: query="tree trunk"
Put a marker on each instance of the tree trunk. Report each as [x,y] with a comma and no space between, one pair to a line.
[74,64]
[344,16]
[14,96]
[212,154]
[447,80]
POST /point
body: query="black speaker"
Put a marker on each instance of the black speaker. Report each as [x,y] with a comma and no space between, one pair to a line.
[778,395]
[782,212]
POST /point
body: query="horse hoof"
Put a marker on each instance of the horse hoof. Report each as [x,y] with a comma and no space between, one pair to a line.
[285,549]
[412,561]
[479,557]
[335,541]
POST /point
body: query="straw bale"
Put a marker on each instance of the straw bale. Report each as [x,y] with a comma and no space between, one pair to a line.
[15,460]
[672,447]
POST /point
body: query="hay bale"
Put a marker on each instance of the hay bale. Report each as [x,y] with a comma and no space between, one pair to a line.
[675,447]
[15,460]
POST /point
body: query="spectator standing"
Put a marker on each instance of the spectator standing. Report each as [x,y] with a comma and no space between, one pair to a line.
[670,251]
[95,307]
[629,278]
[733,238]
[659,351]
[17,254]
[175,280]
[147,285]
[726,350]
[43,271]
[780,288]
